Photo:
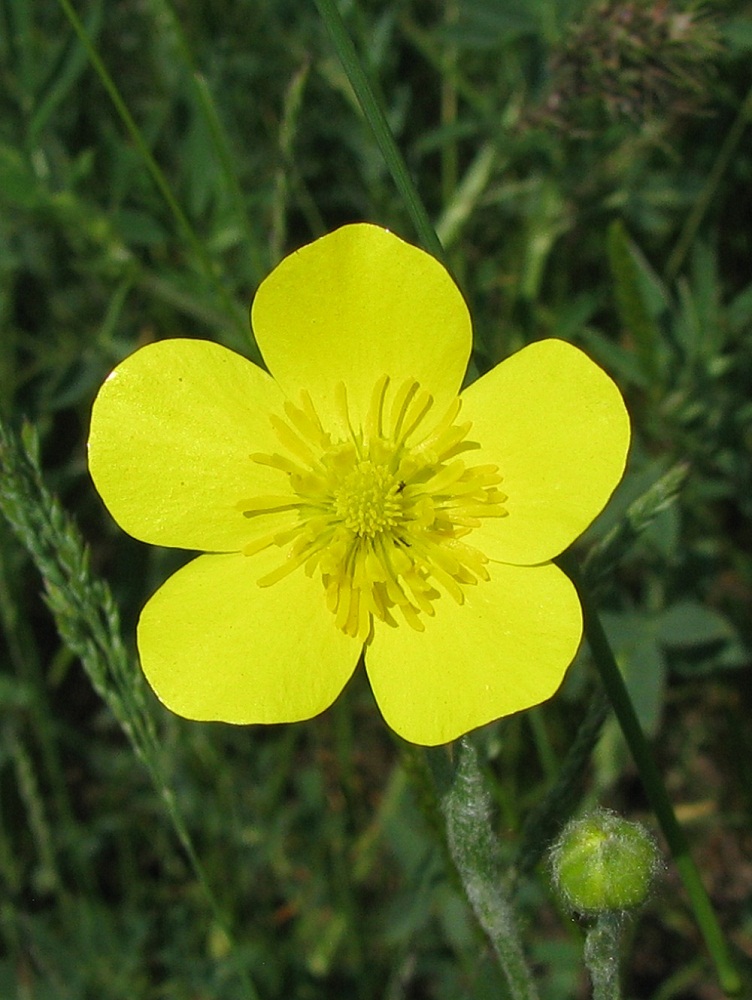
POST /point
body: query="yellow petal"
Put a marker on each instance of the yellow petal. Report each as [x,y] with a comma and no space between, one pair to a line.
[505,649]
[356,304]
[216,646]
[556,426]
[172,432]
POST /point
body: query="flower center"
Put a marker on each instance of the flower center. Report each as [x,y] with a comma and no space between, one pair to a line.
[383,514]
[368,501]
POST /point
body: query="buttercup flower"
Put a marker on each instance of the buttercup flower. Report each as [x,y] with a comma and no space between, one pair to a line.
[354,500]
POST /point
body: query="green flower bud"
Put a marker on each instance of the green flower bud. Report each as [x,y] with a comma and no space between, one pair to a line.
[604,864]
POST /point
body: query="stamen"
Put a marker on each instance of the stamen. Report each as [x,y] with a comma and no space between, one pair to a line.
[340,398]
[291,441]
[445,477]
[416,411]
[401,402]
[380,512]
[310,429]
[278,462]
[427,443]
[310,411]
[265,505]
[374,421]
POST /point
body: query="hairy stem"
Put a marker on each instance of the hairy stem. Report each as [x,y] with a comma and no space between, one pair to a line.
[474,849]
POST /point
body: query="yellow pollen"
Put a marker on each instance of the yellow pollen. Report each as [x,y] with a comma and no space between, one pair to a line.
[383,516]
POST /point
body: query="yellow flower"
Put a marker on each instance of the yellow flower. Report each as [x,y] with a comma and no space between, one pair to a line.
[355,500]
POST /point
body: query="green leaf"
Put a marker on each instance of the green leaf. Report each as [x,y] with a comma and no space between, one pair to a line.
[689,623]
[633,638]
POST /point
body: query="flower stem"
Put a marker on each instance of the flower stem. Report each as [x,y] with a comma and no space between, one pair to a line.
[655,788]
[373,111]
[474,849]
[602,956]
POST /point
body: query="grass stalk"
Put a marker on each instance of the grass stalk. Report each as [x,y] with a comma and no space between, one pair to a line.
[373,111]
[88,622]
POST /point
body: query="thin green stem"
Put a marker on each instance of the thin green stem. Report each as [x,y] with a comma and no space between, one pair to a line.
[655,788]
[198,248]
[374,114]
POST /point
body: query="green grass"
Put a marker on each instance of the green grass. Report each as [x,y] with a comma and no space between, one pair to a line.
[587,167]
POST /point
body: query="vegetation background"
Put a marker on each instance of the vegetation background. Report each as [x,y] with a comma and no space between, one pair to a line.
[589,169]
